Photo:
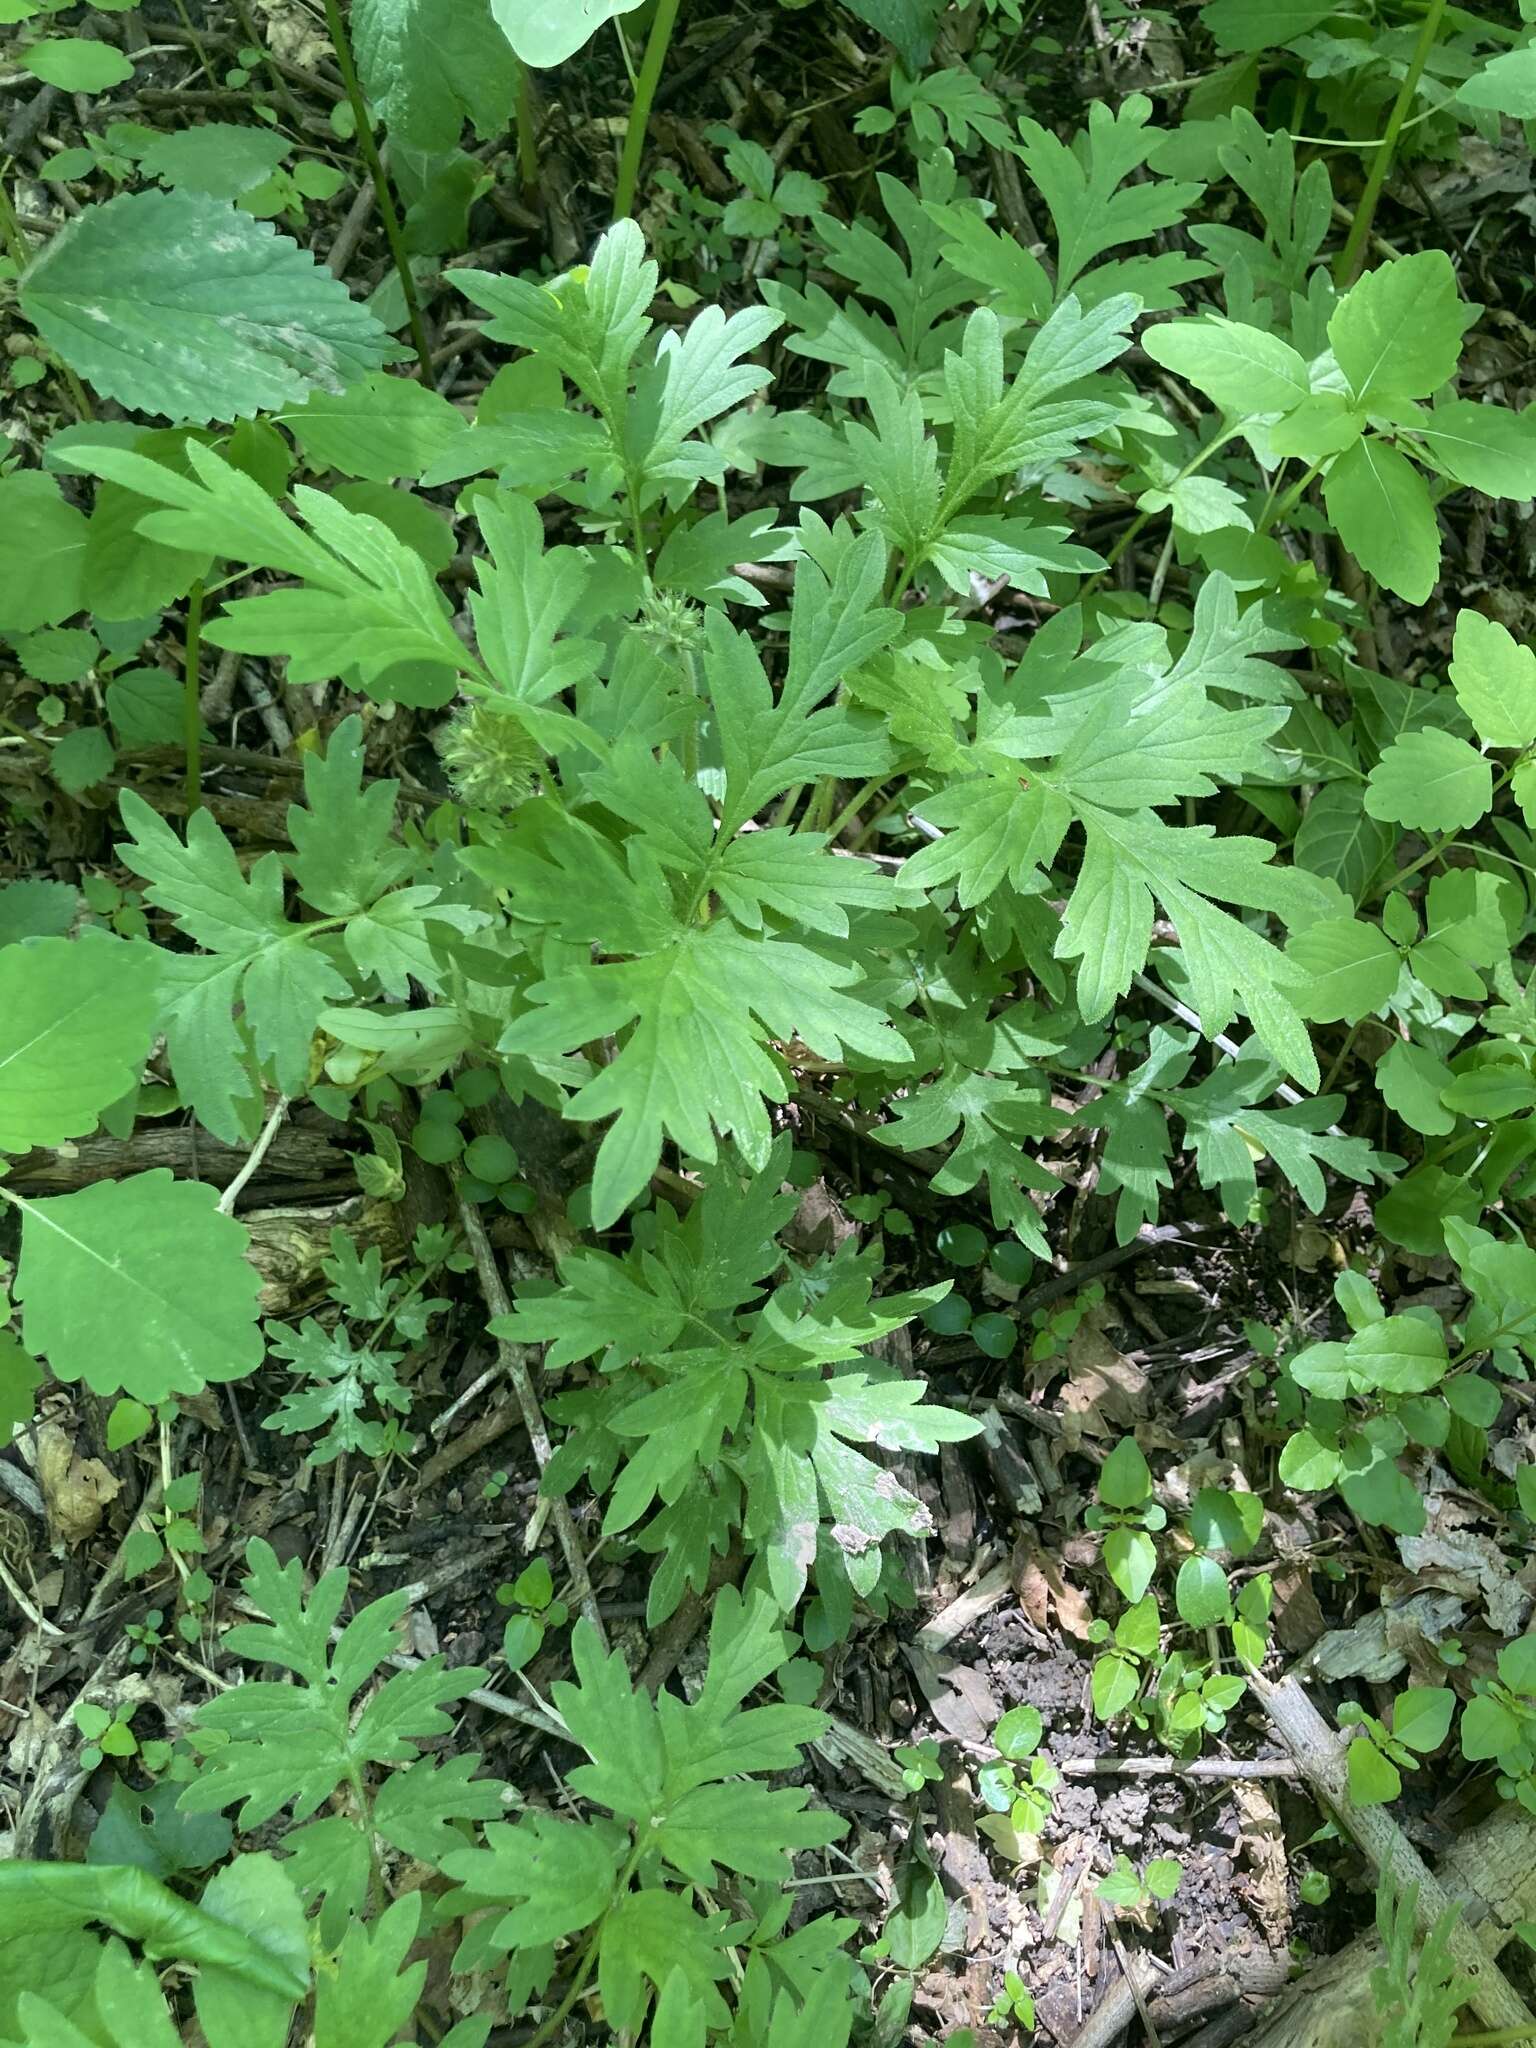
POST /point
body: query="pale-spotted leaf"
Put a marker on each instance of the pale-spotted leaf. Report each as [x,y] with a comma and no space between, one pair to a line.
[178,303]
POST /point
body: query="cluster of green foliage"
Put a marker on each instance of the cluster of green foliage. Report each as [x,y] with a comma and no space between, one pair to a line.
[705,858]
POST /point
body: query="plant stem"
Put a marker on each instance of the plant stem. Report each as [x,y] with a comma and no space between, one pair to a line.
[640,107]
[383,192]
[1195,463]
[527,139]
[191,709]
[197,42]
[1278,509]
[1347,264]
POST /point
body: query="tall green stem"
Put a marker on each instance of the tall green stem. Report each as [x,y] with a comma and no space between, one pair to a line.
[527,137]
[640,107]
[1347,265]
[191,708]
[383,193]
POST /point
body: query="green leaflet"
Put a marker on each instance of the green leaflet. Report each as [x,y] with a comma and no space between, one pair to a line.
[42,1897]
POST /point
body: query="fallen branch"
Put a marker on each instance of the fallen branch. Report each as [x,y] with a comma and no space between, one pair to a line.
[515,1364]
[1322,1757]
[1221,1767]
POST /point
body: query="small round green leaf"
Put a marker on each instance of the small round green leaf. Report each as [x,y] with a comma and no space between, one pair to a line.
[1011,1261]
[437,1141]
[1487,1730]
[948,1317]
[1017,1734]
[1421,1717]
[1373,1778]
[490,1158]
[995,1335]
[962,1244]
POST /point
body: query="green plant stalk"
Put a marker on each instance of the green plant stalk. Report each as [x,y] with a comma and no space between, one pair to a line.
[197,42]
[640,106]
[527,140]
[1347,264]
[1142,520]
[383,192]
[191,709]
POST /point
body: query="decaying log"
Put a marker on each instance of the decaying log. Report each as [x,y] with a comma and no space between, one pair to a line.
[1490,1873]
[295,1154]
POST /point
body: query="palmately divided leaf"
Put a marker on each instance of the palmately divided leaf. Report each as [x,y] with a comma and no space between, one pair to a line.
[695,1064]
[180,304]
[1129,862]
[590,326]
[365,602]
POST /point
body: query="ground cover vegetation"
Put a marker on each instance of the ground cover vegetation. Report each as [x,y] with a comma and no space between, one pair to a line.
[767,1040]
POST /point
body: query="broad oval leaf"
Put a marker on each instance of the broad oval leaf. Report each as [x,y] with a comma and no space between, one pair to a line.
[76,1023]
[546,32]
[1345,969]
[139,1287]
[1431,780]
[1200,1593]
[178,303]
[1421,1717]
